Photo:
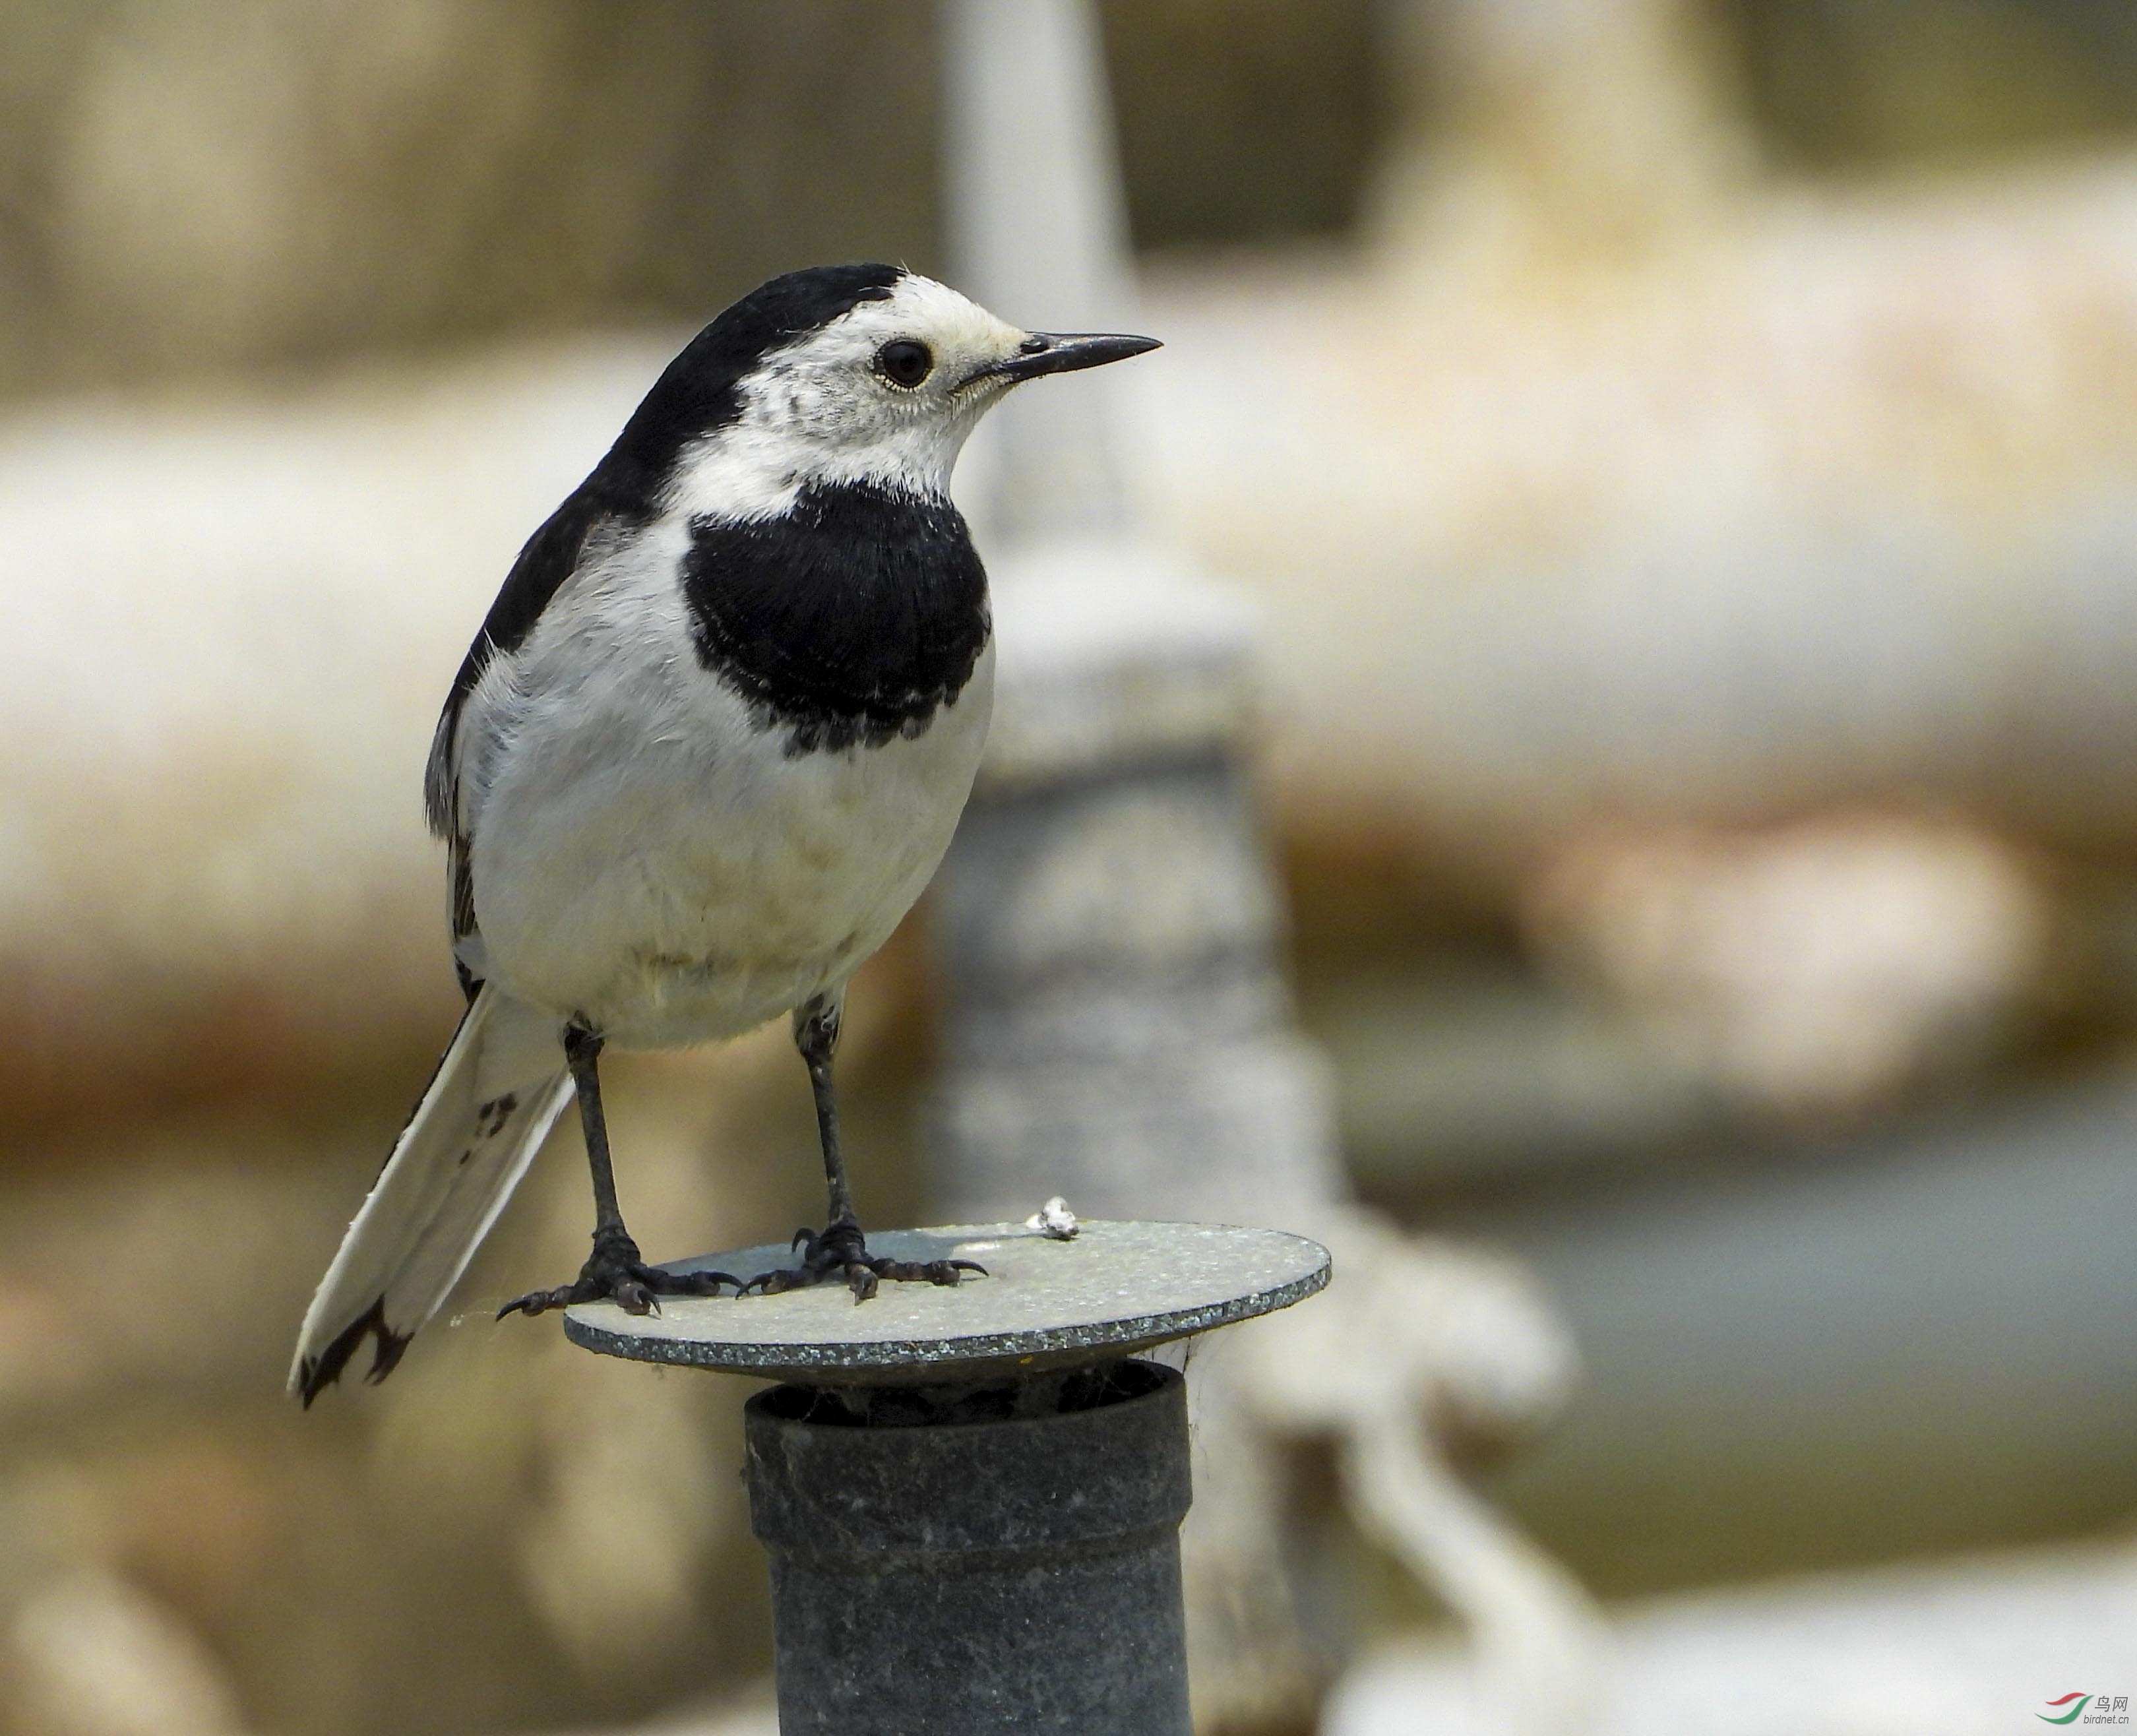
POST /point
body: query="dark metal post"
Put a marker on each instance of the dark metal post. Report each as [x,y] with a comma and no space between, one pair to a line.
[1003,1560]
[972,1496]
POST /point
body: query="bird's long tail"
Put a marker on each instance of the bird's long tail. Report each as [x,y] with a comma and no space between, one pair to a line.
[499,1087]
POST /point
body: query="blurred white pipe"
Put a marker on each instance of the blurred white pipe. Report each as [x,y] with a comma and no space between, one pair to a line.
[1535,1639]
[1420,1349]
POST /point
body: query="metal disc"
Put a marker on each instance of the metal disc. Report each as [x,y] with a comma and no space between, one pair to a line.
[1115,1289]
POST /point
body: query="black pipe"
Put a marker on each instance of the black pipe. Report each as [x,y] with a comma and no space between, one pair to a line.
[958,1561]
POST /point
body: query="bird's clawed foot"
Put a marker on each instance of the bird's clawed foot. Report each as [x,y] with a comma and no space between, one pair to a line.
[616,1272]
[839,1251]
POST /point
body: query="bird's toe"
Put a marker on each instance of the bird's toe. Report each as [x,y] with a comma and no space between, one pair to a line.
[695,1283]
[633,1297]
[952,1271]
[537,1301]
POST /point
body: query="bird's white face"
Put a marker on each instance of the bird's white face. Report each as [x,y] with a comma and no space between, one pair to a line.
[885,394]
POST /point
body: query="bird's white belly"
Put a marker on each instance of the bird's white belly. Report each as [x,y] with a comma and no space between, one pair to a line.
[646,860]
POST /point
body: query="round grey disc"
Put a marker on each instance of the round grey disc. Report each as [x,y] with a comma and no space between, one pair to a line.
[1115,1289]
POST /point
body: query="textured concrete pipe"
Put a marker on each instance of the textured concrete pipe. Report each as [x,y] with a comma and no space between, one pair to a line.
[999,1571]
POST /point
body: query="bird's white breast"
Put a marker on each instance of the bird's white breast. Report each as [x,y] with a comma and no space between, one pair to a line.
[648,855]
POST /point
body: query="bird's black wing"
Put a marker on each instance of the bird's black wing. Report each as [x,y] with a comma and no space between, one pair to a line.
[550,557]
[552,554]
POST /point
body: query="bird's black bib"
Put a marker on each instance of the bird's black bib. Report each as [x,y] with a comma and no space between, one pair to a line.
[849,621]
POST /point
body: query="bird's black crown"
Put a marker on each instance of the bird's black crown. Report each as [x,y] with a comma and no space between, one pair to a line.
[700,389]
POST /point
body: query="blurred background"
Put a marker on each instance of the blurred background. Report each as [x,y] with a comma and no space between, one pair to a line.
[1682,455]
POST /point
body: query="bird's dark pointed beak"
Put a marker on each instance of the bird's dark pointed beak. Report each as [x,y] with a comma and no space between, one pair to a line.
[1061,353]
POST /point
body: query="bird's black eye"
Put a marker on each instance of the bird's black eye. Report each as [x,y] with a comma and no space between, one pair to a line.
[905,362]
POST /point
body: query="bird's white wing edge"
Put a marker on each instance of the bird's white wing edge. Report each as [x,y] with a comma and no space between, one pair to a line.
[495,1096]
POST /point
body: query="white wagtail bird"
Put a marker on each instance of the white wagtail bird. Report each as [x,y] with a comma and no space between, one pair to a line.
[708,748]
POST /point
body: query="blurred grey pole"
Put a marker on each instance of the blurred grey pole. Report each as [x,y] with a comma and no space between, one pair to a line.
[1118,1028]
[1037,226]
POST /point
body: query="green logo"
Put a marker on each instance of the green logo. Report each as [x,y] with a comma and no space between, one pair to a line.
[2071,1716]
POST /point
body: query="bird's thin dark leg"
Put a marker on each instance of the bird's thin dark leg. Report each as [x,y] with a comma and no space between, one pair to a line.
[817,1035]
[840,1250]
[583,1055]
[616,1270]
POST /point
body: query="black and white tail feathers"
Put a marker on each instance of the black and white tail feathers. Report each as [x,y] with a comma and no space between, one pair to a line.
[501,1086]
